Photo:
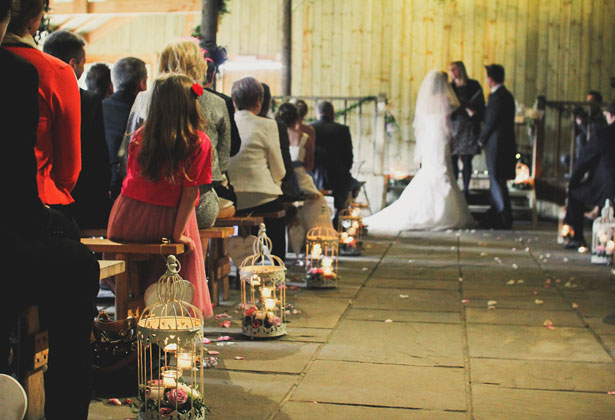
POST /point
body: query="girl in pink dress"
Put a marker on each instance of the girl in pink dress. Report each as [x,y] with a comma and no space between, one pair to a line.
[168,159]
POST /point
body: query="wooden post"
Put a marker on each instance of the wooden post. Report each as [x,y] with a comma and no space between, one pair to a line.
[286,34]
[209,22]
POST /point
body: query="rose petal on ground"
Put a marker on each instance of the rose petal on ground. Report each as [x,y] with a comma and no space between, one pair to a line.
[225,324]
[403,296]
[205,341]
[491,307]
[483,254]
[223,315]
[114,401]
[515,266]
[364,269]
[492,302]
[520,281]
[547,323]
[213,352]
[465,300]
[239,358]
[410,261]
[460,279]
[510,282]
[388,321]
[224,338]
[539,301]
[574,305]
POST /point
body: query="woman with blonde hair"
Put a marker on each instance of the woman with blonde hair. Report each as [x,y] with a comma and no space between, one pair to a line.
[186,57]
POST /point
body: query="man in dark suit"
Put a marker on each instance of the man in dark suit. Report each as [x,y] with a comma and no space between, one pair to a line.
[597,161]
[48,265]
[332,156]
[129,77]
[498,139]
[91,193]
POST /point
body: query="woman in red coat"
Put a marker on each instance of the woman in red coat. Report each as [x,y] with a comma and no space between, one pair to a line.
[58,145]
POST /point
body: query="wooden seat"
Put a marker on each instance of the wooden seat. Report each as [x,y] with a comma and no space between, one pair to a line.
[269,215]
[128,288]
[217,263]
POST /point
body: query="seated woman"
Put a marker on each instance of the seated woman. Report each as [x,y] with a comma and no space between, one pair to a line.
[257,170]
[184,56]
[169,158]
[307,216]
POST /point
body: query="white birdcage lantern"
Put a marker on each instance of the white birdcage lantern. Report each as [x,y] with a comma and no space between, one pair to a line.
[603,236]
[263,291]
[350,228]
[321,251]
[170,353]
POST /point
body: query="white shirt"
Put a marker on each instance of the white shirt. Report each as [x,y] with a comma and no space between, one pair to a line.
[496,87]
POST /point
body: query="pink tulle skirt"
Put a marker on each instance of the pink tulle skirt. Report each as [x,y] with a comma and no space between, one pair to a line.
[136,221]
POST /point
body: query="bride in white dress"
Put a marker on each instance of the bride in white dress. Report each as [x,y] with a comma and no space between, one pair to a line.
[432,200]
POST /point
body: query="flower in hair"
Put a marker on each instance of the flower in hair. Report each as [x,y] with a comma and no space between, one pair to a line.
[197,89]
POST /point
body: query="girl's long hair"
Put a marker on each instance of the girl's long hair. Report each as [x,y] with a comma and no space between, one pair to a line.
[170,131]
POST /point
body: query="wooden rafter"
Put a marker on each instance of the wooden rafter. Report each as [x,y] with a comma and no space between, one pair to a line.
[104,30]
[125,6]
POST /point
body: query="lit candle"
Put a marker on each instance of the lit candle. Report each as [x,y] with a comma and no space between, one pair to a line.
[170,377]
[344,236]
[155,389]
[352,231]
[565,230]
[602,237]
[355,224]
[348,239]
[355,213]
[170,347]
[269,304]
[266,292]
[184,360]
[610,247]
[255,280]
[316,251]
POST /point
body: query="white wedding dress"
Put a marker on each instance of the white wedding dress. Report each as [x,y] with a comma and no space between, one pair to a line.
[432,200]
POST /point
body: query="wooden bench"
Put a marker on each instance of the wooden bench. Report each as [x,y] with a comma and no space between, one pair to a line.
[218,263]
[33,349]
[128,288]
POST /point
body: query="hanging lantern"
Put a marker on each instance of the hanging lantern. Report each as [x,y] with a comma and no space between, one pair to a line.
[263,291]
[321,249]
[350,229]
[170,354]
[603,236]
[564,231]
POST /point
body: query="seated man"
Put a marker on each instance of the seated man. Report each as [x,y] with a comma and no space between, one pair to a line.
[597,161]
[48,265]
[333,156]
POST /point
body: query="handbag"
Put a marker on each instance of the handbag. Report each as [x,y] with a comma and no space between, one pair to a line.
[114,343]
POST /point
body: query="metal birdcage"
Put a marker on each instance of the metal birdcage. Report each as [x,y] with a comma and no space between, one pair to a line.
[170,353]
[603,236]
[263,291]
[350,228]
[321,252]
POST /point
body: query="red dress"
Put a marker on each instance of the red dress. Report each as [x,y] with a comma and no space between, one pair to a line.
[145,211]
[58,144]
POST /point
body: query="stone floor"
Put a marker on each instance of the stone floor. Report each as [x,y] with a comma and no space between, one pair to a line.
[409,334]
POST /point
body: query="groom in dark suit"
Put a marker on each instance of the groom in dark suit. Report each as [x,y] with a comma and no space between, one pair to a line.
[332,156]
[498,140]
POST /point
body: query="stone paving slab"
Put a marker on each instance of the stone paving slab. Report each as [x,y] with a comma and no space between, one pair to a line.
[609,342]
[265,355]
[316,312]
[383,385]
[380,315]
[543,374]
[534,343]
[597,324]
[389,283]
[522,317]
[474,289]
[310,411]
[517,302]
[243,395]
[414,271]
[102,410]
[395,343]
[493,403]
[500,275]
[310,335]
[421,300]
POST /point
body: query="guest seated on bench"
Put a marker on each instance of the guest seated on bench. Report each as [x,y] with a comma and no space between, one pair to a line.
[257,170]
[45,263]
[169,158]
[314,203]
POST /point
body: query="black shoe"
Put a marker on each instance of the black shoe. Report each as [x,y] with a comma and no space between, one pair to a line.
[574,244]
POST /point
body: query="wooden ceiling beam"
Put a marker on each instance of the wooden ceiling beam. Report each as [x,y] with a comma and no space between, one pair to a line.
[107,28]
[125,6]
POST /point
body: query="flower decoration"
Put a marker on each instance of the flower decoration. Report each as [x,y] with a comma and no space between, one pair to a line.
[197,89]
[177,396]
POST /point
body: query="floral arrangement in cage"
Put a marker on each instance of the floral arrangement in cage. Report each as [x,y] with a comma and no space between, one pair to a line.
[603,236]
[169,353]
[351,230]
[322,247]
[263,291]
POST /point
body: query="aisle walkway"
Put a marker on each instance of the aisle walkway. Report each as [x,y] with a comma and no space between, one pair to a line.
[409,335]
